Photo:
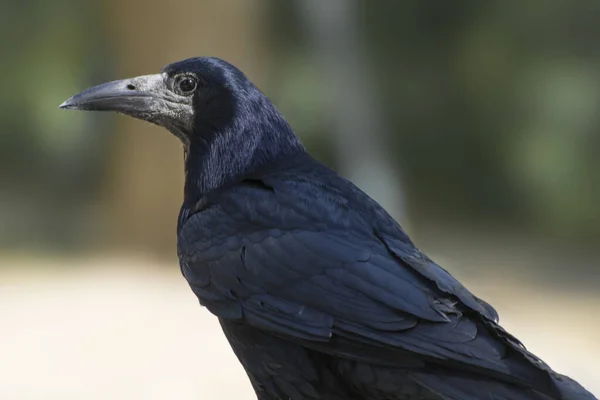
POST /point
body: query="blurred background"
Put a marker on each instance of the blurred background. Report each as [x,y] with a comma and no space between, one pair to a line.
[475,123]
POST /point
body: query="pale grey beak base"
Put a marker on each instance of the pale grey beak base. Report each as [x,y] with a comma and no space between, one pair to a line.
[144,97]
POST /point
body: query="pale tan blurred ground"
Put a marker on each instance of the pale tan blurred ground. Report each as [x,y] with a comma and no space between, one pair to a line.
[123,328]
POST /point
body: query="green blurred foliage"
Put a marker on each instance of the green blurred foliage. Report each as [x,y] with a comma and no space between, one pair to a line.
[49,50]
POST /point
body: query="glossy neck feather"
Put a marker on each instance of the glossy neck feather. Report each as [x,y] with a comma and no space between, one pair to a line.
[233,136]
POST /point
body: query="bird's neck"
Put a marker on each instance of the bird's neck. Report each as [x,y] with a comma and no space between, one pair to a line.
[221,157]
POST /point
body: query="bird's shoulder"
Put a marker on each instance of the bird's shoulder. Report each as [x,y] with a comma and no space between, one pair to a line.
[297,194]
[300,193]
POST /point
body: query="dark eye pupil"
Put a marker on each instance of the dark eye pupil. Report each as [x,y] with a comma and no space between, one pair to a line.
[187,85]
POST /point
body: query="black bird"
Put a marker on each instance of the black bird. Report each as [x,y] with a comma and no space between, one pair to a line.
[320,293]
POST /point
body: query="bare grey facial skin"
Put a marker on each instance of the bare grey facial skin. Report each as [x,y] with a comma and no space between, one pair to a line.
[153,98]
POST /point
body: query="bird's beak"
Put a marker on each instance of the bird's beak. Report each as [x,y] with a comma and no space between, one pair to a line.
[128,96]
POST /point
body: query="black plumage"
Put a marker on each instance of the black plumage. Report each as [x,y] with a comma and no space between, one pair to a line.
[319,291]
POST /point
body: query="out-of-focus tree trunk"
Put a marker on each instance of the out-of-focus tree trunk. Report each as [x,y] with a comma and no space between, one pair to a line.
[358,129]
[145,180]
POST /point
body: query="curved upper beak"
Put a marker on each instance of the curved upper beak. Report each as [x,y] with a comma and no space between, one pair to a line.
[128,96]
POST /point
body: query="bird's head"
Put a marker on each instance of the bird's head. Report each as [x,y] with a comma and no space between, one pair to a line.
[197,96]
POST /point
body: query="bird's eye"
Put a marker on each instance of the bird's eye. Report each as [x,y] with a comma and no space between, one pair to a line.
[186,85]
